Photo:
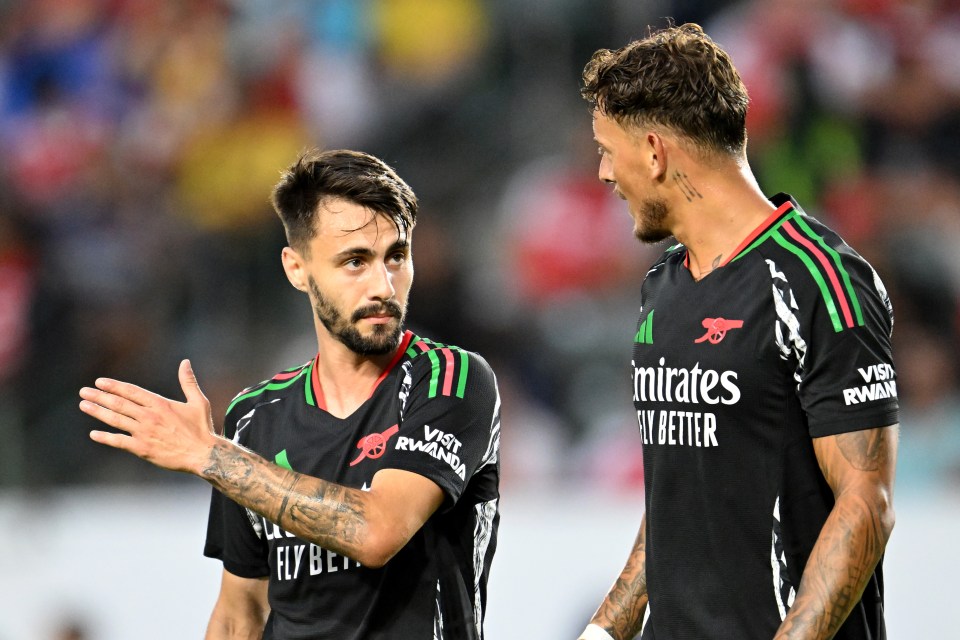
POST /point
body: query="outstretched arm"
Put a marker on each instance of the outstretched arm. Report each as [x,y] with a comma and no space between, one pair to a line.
[859,467]
[621,613]
[368,526]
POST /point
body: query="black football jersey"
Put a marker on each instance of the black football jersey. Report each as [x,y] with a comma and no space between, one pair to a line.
[733,376]
[436,412]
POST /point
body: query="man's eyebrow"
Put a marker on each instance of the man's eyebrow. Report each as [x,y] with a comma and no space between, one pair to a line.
[355,252]
[367,252]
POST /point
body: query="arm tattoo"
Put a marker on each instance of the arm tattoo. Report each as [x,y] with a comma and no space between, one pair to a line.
[327,514]
[837,572]
[621,612]
[853,538]
[686,187]
[863,449]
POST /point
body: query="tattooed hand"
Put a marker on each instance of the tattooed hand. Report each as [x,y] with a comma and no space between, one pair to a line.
[173,435]
[367,526]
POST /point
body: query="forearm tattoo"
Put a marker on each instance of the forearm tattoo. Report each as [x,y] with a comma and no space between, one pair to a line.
[321,512]
[686,186]
[850,545]
[621,613]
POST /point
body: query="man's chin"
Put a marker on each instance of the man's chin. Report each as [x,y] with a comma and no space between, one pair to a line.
[648,236]
[380,340]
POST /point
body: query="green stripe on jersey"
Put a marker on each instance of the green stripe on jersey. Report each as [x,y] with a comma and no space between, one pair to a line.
[767,234]
[434,372]
[308,385]
[817,276]
[270,386]
[413,341]
[438,368]
[464,367]
[851,293]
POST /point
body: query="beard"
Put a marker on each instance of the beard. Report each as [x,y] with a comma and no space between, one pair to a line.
[385,337]
[650,227]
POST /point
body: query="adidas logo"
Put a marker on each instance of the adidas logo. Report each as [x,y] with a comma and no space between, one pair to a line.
[645,330]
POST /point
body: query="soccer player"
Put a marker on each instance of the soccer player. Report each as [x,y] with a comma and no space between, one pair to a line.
[356,495]
[762,374]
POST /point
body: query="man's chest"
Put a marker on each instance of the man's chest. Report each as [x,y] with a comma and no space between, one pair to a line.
[308,440]
[705,368]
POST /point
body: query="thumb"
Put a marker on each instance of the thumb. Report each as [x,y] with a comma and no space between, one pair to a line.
[189,384]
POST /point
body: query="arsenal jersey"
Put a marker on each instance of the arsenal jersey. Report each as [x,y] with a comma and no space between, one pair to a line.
[435,412]
[733,376]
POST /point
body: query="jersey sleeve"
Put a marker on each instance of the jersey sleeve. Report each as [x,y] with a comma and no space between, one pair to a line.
[450,419]
[848,380]
[235,534]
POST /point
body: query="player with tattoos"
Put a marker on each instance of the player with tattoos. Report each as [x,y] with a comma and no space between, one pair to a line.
[355,496]
[761,371]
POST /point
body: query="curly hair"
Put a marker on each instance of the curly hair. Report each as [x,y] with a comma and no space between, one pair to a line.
[677,78]
[349,175]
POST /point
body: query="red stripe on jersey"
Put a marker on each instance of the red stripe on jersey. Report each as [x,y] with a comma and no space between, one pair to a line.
[404,343]
[315,376]
[287,375]
[315,383]
[448,378]
[827,267]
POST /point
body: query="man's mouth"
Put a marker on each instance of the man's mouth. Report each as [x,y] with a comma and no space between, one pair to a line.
[382,314]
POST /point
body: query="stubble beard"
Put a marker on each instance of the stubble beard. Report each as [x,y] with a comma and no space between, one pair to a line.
[651,227]
[385,337]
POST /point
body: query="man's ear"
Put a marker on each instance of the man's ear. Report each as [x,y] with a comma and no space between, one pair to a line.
[658,155]
[295,268]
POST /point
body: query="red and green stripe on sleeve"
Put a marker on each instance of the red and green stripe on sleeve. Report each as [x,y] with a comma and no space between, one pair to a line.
[449,366]
[280,381]
[788,228]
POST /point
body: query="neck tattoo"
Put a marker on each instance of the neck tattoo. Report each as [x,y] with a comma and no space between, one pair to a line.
[713,265]
[689,191]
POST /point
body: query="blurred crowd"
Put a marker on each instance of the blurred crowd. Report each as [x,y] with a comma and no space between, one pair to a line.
[139,141]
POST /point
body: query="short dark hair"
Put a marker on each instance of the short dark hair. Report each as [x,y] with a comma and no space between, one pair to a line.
[354,176]
[677,78]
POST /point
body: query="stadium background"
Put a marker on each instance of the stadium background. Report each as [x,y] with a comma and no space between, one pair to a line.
[138,144]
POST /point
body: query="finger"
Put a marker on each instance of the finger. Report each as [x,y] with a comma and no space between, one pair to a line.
[131,392]
[108,417]
[189,384]
[115,440]
[114,403]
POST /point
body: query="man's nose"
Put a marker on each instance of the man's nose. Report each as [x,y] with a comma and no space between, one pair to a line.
[382,282]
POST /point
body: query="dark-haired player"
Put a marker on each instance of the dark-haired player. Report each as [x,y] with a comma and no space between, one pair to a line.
[762,374]
[356,496]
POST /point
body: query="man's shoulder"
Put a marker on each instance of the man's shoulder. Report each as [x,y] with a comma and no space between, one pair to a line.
[446,369]
[820,270]
[279,385]
[426,351]
[802,242]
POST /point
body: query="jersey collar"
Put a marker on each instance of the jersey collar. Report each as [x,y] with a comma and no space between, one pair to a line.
[787,207]
[314,392]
